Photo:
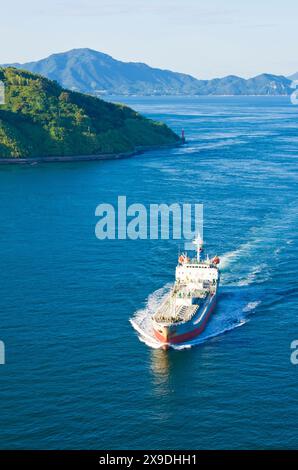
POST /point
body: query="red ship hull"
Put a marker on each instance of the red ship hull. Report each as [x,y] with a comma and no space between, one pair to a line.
[181,333]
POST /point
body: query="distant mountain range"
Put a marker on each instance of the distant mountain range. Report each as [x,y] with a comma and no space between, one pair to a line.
[294,76]
[89,71]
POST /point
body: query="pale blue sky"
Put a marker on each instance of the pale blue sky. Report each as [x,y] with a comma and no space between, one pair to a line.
[204,38]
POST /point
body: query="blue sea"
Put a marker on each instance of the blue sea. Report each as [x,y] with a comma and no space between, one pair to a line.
[77,375]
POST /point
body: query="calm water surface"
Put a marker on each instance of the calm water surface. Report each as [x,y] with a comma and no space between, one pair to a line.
[76,374]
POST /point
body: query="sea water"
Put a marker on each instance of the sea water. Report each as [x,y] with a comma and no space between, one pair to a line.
[76,374]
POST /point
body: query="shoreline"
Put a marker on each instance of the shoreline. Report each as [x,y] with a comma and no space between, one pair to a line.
[84,158]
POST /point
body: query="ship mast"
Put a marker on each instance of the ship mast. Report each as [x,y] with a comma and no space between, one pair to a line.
[198,242]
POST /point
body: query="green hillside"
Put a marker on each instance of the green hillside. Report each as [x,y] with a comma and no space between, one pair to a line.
[40,118]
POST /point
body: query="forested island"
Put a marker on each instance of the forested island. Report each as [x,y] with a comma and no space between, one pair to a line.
[40,120]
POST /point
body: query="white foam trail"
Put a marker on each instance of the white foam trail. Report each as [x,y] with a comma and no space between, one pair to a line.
[145,336]
[238,267]
[141,321]
[252,262]
[253,275]
[251,306]
[228,258]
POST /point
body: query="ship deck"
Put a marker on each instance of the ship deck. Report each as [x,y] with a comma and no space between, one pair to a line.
[181,313]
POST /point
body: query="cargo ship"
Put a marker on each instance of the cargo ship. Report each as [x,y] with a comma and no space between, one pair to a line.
[184,313]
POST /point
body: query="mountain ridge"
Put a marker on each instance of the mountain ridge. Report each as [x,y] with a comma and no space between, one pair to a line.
[294,76]
[89,71]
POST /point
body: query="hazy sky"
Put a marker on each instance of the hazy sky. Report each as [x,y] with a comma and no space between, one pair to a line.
[204,38]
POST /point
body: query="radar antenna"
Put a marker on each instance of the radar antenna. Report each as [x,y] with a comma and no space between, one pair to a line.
[198,242]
